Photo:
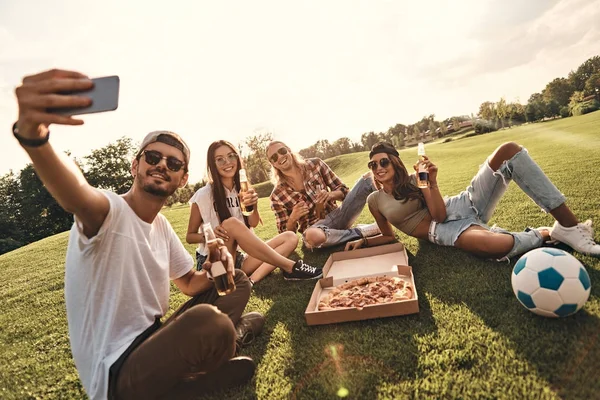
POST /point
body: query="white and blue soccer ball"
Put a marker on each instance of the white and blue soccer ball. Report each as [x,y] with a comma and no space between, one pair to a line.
[551,282]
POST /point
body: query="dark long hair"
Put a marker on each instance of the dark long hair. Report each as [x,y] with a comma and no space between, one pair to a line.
[403,188]
[217,188]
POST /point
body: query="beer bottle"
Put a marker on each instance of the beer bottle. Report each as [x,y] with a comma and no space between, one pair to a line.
[222,278]
[319,207]
[422,174]
[244,186]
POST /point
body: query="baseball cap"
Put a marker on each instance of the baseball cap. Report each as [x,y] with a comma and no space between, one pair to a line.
[383,147]
[167,137]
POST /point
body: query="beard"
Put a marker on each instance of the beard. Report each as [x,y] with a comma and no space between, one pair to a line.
[154,189]
[157,191]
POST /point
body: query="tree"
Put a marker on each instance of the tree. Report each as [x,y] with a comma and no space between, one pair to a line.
[342,146]
[579,77]
[455,124]
[501,111]
[110,167]
[396,132]
[256,162]
[487,111]
[11,233]
[559,90]
[368,140]
[38,211]
[576,98]
[592,85]
[552,109]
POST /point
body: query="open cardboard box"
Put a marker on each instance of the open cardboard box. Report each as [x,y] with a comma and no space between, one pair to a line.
[345,266]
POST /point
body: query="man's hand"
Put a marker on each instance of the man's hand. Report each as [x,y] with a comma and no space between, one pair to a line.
[299,210]
[324,196]
[39,92]
[354,244]
[250,198]
[224,256]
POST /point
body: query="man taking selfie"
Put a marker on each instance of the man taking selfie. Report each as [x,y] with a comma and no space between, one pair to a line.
[120,258]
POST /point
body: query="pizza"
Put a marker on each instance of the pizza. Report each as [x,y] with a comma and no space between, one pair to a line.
[366,291]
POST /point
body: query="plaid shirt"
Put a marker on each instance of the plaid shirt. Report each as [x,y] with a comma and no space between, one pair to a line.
[284,197]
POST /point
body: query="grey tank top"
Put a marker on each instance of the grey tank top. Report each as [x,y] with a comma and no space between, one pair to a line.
[403,215]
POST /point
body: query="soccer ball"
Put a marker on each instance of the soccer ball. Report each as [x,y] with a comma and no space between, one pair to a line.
[550,282]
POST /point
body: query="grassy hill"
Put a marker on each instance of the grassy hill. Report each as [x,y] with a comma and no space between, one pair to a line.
[471,338]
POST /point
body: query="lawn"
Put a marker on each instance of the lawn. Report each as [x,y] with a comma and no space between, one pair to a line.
[471,339]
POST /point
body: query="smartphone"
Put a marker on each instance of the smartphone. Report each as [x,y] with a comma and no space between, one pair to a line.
[104,95]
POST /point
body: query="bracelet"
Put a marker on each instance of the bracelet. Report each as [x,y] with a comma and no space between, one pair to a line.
[25,142]
[433,187]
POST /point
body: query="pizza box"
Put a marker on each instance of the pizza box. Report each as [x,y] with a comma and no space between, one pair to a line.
[345,266]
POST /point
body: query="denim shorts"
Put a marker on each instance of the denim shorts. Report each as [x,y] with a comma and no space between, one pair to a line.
[239,260]
[476,204]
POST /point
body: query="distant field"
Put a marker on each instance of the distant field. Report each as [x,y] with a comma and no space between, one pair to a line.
[471,339]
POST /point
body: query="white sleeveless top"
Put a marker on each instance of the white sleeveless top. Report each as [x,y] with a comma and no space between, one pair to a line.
[208,210]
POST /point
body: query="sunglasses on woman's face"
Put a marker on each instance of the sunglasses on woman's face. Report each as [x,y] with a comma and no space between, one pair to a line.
[282,150]
[384,162]
[153,157]
[230,158]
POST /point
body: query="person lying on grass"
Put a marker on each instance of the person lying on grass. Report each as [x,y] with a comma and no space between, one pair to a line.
[302,202]
[120,258]
[219,203]
[461,220]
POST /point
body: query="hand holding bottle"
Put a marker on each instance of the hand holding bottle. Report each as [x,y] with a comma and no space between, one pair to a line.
[431,169]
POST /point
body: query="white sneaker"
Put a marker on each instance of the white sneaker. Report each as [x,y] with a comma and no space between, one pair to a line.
[368,230]
[580,237]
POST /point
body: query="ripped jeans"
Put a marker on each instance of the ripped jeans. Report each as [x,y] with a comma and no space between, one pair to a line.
[476,205]
[336,225]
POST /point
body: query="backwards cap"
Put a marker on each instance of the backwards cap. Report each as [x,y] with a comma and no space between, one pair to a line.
[383,147]
[167,137]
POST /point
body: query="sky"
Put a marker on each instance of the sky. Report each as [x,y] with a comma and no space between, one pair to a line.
[303,71]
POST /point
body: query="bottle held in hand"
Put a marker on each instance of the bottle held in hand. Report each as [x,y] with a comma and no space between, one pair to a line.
[244,186]
[422,174]
[319,207]
[222,278]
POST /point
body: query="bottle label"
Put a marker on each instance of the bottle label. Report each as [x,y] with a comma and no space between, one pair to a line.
[217,269]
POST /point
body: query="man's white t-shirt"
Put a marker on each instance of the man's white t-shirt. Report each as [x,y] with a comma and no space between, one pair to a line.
[116,283]
[208,209]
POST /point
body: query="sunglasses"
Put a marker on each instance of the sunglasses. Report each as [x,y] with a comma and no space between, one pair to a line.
[282,150]
[230,158]
[153,157]
[384,162]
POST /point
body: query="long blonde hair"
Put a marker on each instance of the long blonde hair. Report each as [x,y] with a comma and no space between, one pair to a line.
[298,161]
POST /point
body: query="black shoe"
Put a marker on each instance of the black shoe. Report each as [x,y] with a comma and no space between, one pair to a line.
[302,271]
[236,372]
[247,329]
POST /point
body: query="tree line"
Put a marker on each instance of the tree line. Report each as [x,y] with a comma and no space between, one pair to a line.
[31,214]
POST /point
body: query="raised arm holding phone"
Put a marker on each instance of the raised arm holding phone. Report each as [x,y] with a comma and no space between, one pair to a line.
[121,255]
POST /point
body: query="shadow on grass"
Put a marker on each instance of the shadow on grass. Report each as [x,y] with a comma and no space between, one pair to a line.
[563,351]
[326,360]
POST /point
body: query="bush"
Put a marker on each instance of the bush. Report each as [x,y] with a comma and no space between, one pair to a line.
[483,127]
[9,244]
[585,107]
[263,189]
[474,134]
[564,112]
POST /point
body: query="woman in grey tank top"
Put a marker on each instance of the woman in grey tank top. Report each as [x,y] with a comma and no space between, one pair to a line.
[461,220]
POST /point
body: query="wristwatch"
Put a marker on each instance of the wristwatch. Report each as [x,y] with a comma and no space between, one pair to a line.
[29,142]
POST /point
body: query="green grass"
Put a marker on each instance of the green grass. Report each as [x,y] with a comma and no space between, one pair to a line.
[471,339]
